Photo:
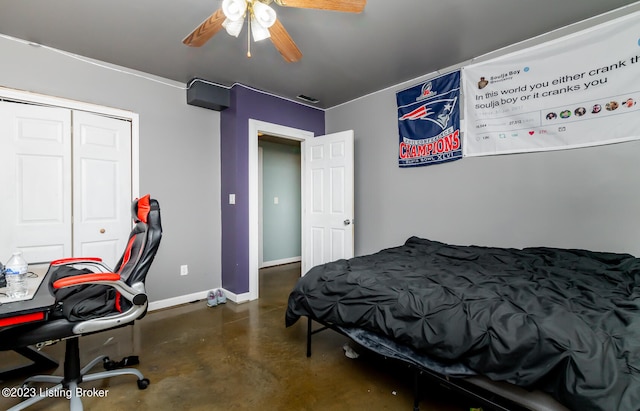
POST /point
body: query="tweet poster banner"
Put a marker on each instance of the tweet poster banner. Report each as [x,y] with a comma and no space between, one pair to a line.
[578,91]
[429,122]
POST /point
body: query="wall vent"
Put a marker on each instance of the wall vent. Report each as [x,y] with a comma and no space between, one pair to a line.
[308,99]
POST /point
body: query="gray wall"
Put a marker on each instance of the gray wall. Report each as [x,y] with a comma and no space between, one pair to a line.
[179,156]
[281,223]
[583,198]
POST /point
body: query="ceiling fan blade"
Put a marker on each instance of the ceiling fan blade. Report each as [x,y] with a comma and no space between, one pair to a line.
[351,6]
[206,30]
[284,43]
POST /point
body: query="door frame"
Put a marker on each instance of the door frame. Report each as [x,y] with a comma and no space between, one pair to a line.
[42,99]
[255,127]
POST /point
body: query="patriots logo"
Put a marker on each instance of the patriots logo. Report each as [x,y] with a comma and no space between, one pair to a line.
[428,112]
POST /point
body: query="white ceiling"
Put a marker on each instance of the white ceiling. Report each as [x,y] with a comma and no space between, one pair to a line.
[345,55]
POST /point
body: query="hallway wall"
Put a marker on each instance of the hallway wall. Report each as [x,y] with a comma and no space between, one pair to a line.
[281,221]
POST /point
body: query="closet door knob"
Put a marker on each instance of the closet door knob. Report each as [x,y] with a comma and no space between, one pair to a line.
[102,231]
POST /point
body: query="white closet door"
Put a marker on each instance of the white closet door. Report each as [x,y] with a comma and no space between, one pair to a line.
[102,186]
[35,182]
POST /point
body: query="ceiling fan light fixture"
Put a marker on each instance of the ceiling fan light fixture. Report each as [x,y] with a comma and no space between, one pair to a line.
[259,32]
[262,17]
[234,9]
[233,27]
[265,15]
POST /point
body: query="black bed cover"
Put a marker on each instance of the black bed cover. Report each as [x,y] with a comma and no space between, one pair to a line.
[564,321]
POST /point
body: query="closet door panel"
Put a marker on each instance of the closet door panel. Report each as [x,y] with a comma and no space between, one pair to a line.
[102,185]
[35,155]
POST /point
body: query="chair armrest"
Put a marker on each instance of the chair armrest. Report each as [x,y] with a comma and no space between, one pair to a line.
[76,260]
[112,279]
[94,278]
[95,262]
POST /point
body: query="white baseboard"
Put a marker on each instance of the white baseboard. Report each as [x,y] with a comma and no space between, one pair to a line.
[237,298]
[182,299]
[273,263]
[200,295]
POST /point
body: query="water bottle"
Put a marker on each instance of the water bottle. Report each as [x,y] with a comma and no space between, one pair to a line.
[16,275]
[3,282]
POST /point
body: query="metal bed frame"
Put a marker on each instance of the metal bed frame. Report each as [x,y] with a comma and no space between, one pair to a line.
[494,395]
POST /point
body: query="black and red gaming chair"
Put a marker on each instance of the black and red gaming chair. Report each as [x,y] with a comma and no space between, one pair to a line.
[91,298]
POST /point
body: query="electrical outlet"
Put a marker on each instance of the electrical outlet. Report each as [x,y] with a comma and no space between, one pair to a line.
[184,269]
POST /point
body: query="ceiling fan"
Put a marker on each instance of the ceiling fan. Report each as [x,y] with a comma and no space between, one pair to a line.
[262,21]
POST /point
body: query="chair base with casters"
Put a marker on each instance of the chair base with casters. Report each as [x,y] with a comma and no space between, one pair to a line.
[61,329]
[73,376]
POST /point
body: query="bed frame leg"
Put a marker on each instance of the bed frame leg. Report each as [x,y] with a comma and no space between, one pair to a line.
[416,390]
[308,337]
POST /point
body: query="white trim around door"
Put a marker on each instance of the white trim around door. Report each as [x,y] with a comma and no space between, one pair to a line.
[255,127]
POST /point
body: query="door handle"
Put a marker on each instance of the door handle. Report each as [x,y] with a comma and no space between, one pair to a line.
[347,222]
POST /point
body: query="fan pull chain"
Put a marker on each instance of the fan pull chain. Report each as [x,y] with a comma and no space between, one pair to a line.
[249,34]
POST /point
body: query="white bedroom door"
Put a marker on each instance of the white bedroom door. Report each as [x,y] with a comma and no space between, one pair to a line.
[328,199]
[102,186]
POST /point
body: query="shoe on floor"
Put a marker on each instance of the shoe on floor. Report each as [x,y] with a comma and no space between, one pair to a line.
[350,352]
[212,299]
[220,296]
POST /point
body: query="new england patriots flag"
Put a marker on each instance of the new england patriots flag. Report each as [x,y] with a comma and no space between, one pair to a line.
[429,122]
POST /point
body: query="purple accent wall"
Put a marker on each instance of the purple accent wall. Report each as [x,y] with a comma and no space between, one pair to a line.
[234,151]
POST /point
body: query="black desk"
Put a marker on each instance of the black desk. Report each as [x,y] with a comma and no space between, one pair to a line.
[20,312]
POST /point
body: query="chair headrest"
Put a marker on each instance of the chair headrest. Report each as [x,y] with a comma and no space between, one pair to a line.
[140,209]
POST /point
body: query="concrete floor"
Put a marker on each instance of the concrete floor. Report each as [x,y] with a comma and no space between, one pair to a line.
[241,357]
